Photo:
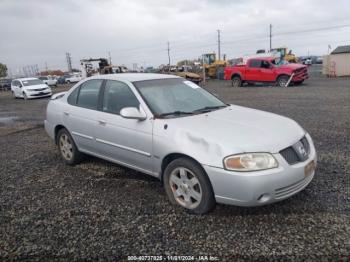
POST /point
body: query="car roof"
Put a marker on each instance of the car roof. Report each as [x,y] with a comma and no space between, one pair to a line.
[264,58]
[132,77]
[26,78]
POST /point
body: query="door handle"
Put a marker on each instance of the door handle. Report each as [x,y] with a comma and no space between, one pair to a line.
[66,113]
[102,123]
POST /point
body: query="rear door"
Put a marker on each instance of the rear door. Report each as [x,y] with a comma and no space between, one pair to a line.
[80,114]
[252,72]
[127,141]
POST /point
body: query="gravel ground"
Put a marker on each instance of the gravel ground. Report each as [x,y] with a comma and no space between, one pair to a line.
[98,210]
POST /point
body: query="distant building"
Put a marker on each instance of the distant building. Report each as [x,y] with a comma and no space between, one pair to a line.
[338,62]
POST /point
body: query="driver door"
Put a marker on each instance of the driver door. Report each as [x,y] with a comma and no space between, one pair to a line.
[267,71]
[122,140]
[17,87]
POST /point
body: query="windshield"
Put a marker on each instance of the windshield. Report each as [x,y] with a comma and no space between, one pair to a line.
[176,96]
[279,62]
[32,82]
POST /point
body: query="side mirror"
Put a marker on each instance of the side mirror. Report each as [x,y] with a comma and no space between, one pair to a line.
[133,113]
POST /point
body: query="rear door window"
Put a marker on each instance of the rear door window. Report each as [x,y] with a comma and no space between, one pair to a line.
[89,93]
[255,63]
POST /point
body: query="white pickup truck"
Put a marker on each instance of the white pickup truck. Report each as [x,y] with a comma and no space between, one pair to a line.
[49,80]
[73,78]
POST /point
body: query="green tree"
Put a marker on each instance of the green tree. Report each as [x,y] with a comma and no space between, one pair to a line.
[3,70]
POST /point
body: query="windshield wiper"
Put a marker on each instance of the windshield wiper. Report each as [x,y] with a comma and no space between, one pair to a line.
[209,108]
[175,113]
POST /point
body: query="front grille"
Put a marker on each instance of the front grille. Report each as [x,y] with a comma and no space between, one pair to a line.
[40,94]
[291,154]
[301,73]
[291,189]
[39,89]
[305,144]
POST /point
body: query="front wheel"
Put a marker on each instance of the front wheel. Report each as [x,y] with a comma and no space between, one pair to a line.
[282,81]
[67,148]
[187,185]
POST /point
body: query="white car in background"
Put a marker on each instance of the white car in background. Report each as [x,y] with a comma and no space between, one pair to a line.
[73,79]
[29,88]
[49,80]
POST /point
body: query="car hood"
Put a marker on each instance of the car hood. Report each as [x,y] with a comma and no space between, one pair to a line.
[292,66]
[35,87]
[231,130]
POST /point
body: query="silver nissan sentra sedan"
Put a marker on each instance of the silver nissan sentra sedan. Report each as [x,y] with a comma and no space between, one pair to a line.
[203,150]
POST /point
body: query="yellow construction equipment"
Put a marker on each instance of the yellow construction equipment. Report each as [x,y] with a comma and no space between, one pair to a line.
[213,68]
[287,56]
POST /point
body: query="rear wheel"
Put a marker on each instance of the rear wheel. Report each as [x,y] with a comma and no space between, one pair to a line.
[187,185]
[236,81]
[67,148]
[282,81]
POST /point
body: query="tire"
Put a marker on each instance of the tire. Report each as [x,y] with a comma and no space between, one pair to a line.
[68,82]
[187,185]
[298,83]
[67,148]
[236,81]
[282,81]
[14,95]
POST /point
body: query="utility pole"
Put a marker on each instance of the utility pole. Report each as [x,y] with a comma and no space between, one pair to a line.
[110,58]
[219,45]
[47,69]
[69,62]
[270,37]
[203,69]
[168,49]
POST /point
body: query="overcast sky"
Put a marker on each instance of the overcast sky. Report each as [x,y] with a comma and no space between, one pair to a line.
[136,31]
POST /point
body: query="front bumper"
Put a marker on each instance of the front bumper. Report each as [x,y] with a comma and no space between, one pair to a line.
[300,76]
[37,94]
[260,187]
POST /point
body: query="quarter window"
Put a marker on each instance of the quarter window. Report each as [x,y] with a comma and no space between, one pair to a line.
[72,98]
[88,94]
[117,96]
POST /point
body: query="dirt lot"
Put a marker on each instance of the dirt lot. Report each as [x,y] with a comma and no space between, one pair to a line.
[101,210]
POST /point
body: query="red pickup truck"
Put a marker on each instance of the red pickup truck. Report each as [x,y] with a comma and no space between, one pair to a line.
[264,69]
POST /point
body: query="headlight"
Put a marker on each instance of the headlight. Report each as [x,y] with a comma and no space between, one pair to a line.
[250,162]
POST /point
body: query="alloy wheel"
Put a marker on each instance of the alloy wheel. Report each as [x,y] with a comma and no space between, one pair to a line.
[186,187]
[282,82]
[66,147]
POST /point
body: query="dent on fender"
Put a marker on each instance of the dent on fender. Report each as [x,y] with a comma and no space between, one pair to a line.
[203,145]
